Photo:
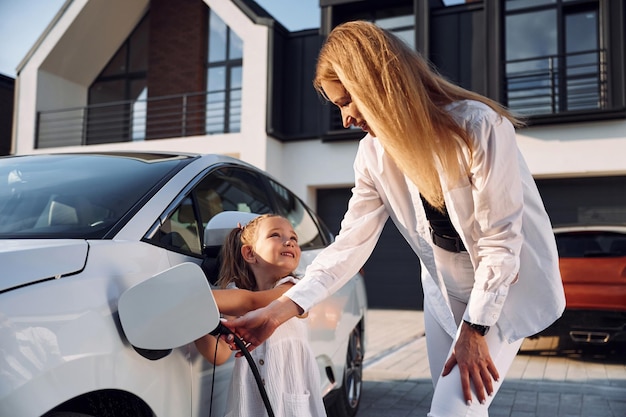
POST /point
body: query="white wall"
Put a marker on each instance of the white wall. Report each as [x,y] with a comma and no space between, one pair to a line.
[275,155]
[312,164]
[581,149]
[59,93]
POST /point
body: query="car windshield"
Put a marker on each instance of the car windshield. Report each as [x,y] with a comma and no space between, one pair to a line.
[591,244]
[75,195]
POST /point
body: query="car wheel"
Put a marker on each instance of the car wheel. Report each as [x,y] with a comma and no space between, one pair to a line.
[102,403]
[345,401]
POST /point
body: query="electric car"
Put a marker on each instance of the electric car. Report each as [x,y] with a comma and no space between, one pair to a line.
[78,231]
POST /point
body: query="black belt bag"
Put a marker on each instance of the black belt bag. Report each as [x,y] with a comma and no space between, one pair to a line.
[449,243]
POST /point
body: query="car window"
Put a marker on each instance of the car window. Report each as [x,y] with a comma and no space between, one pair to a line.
[235,189]
[305,225]
[231,189]
[224,189]
[180,230]
[75,196]
[591,244]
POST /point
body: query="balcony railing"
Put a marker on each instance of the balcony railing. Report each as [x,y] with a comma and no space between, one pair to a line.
[557,83]
[137,120]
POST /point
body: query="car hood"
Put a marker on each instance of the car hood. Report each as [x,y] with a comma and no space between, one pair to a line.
[27,261]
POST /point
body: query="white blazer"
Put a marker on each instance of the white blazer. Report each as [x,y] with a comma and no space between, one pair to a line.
[497,211]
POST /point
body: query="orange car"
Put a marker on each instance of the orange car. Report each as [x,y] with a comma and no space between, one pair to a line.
[592,261]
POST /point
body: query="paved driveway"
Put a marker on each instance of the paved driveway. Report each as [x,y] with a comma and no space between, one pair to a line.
[545,380]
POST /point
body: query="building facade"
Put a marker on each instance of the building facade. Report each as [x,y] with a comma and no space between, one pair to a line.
[223,76]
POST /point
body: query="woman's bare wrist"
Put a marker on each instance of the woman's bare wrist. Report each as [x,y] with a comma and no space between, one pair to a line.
[284,308]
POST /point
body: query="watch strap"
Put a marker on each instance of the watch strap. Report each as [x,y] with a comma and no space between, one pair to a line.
[482,330]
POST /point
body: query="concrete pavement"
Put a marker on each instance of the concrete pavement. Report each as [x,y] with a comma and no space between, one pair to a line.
[547,378]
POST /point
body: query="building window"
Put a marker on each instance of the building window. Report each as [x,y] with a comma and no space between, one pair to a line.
[117,110]
[555,62]
[224,74]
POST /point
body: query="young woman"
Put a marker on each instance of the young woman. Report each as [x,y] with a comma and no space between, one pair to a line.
[261,256]
[443,163]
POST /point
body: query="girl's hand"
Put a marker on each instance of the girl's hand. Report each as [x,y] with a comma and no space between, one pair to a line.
[471,354]
[214,350]
[237,302]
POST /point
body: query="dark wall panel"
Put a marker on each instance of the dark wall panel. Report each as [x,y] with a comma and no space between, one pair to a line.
[457,47]
[7,91]
[295,107]
[392,273]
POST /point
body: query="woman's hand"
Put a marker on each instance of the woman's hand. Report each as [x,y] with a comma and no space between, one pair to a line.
[471,354]
[256,326]
[253,328]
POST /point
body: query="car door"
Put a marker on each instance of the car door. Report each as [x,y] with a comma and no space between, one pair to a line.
[181,232]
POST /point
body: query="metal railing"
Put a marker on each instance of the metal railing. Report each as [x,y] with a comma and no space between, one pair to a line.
[555,84]
[180,115]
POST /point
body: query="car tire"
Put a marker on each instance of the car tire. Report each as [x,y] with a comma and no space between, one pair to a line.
[345,401]
[102,403]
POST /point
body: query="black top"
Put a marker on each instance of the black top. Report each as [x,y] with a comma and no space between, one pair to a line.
[439,221]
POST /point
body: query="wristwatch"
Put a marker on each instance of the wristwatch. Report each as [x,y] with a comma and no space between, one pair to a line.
[482,330]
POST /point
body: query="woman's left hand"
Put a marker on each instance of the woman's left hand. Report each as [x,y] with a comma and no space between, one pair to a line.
[471,354]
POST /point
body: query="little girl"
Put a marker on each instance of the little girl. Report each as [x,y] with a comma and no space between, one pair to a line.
[262,256]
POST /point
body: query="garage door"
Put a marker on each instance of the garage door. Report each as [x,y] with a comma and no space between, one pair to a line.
[589,200]
[392,274]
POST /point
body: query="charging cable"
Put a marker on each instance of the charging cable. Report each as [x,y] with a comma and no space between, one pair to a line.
[221,329]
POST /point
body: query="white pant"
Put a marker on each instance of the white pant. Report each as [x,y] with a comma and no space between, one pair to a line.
[457,273]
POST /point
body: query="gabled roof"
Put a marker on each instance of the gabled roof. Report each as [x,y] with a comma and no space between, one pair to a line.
[43,35]
[258,14]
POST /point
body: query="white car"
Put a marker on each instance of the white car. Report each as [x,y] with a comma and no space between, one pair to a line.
[78,231]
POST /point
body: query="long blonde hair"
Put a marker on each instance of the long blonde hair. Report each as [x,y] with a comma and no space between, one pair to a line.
[402,98]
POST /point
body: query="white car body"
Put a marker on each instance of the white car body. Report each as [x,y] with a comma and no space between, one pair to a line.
[61,336]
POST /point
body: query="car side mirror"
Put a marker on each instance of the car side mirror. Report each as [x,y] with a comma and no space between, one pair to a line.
[222,223]
[169,309]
